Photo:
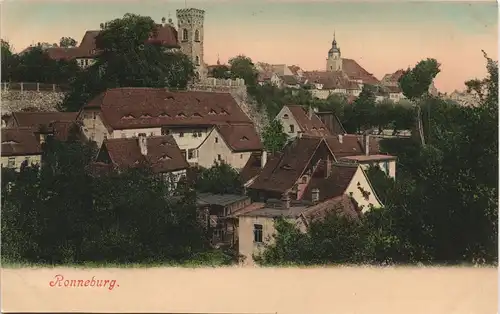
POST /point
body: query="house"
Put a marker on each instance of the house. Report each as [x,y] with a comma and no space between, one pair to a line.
[324,84]
[312,162]
[289,81]
[161,153]
[256,223]
[20,146]
[297,121]
[386,163]
[231,143]
[269,78]
[56,124]
[189,116]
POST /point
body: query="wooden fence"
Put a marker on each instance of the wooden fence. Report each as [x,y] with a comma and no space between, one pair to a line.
[34,87]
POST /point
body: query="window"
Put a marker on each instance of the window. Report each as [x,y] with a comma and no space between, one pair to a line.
[197,35]
[86,62]
[11,163]
[165,131]
[184,34]
[216,140]
[123,135]
[191,153]
[241,156]
[285,116]
[197,60]
[152,134]
[304,179]
[257,233]
[105,136]
[183,152]
[93,115]
[219,157]
[181,134]
[292,128]
[199,134]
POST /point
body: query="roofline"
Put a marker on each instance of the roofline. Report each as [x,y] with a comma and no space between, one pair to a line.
[19,154]
[371,187]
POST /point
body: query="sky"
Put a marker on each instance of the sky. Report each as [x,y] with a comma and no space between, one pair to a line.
[381,36]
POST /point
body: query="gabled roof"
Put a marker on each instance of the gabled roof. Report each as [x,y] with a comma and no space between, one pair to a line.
[342,205]
[252,168]
[332,186]
[282,170]
[331,80]
[163,154]
[37,119]
[240,137]
[20,142]
[129,108]
[393,77]
[310,126]
[289,80]
[356,72]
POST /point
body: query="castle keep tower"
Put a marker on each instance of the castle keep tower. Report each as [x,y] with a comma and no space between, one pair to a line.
[334,61]
[190,32]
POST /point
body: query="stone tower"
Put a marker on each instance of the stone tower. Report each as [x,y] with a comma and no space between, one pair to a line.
[334,61]
[190,32]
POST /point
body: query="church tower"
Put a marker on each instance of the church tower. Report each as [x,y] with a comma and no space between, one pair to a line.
[334,61]
[190,31]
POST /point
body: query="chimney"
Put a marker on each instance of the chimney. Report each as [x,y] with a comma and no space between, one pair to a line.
[367,144]
[341,138]
[328,167]
[286,200]
[263,159]
[143,144]
[315,196]
[310,112]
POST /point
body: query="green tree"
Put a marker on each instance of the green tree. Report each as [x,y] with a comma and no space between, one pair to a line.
[364,108]
[221,72]
[8,60]
[274,136]
[221,178]
[243,67]
[128,59]
[67,42]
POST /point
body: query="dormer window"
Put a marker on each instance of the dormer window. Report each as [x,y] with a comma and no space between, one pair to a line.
[128,116]
[287,167]
[223,112]
[145,116]
[244,138]
[181,115]
[212,112]
[170,98]
[164,115]
[196,114]
[10,142]
[164,157]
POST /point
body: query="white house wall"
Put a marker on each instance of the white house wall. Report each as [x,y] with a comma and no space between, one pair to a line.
[15,162]
[353,191]
[288,122]
[214,148]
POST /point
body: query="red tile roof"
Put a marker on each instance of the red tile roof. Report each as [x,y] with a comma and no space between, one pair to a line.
[313,126]
[163,154]
[37,119]
[289,80]
[342,205]
[332,186]
[240,137]
[356,72]
[331,80]
[166,35]
[252,168]
[20,142]
[284,169]
[128,108]
[350,146]
[393,77]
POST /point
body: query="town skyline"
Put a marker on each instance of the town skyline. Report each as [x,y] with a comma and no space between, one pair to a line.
[297,32]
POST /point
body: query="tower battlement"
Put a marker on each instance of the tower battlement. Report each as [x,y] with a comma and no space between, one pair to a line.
[195,14]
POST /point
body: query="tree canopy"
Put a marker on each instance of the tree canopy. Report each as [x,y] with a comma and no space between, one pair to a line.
[221,178]
[127,59]
[67,42]
[274,137]
[243,67]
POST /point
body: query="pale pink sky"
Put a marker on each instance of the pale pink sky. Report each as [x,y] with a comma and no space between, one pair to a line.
[383,37]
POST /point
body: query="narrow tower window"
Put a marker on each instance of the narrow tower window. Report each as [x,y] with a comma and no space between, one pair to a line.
[184,34]
[197,35]
[197,60]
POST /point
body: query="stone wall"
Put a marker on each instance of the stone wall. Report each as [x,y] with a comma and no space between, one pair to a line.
[21,96]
